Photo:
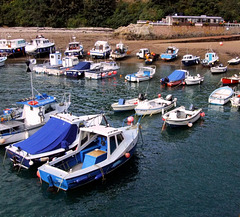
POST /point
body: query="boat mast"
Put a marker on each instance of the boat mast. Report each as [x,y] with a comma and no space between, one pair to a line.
[29,70]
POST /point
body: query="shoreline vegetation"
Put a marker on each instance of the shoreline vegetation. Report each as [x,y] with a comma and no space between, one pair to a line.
[88,36]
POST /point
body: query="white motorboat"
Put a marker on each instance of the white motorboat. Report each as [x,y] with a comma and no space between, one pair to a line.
[12,47]
[218,69]
[182,117]
[119,52]
[75,48]
[128,104]
[101,50]
[101,150]
[189,60]
[155,106]
[2,61]
[102,70]
[35,113]
[40,46]
[144,73]
[193,79]
[221,95]
[234,61]
[58,135]
[210,58]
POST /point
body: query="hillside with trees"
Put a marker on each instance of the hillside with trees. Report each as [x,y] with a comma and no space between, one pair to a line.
[107,13]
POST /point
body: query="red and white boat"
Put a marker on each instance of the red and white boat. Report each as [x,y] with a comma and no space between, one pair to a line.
[235,79]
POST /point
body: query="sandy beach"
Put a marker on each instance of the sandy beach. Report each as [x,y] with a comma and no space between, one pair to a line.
[196,46]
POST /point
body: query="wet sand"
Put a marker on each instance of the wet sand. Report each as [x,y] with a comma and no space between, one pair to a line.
[196,46]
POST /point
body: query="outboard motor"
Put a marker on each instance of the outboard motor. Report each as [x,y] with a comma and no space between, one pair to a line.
[169,97]
[164,80]
[141,96]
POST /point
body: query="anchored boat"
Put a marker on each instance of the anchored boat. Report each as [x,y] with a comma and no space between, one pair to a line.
[58,135]
[101,149]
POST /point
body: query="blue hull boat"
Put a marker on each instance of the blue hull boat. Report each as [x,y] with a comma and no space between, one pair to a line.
[101,150]
[57,136]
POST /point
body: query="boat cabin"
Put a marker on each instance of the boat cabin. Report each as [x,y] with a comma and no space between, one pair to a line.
[97,143]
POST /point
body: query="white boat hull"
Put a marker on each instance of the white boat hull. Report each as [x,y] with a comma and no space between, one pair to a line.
[147,108]
[187,118]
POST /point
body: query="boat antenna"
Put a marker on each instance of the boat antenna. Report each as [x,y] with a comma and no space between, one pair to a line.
[29,70]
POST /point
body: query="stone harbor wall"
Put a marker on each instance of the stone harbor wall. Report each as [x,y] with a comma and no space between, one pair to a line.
[150,32]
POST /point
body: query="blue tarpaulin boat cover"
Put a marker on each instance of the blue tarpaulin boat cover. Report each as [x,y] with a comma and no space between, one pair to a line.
[177,75]
[82,65]
[53,135]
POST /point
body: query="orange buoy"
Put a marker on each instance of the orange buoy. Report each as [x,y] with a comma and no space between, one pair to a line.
[159,95]
[127,155]
[202,114]
[38,174]
[130,119]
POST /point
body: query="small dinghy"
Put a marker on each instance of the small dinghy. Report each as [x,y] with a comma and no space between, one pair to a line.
[101,150]
[144,74]
[221,95]
[193,79]
[182,117]
[57,136]
[155,106]
[127,105]
[234,61]
[218,69]
[232,80]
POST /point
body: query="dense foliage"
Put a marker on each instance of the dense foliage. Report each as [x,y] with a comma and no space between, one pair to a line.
[107,13]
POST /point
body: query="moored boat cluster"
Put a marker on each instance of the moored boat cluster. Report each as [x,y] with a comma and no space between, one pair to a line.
[70,151]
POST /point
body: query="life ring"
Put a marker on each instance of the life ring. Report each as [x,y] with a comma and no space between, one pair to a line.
[33,102]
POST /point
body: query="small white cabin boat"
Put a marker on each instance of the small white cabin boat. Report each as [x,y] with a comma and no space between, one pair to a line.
[144,73]
[2,61]
[75,48]
[210,59]
[12,47]
[182,117]
[119,52]
[101,50]
[40,46]
[35,113]
[193,79]
[221,95]
[155,106]
[189,60]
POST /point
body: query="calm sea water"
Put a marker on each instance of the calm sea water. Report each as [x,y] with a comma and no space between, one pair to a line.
[175,172]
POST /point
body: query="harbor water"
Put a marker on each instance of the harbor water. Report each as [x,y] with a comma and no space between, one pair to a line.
[174,172]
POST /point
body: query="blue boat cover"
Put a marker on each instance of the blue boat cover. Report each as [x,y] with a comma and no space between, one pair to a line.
[82,65]
[177,75]
[53,135]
